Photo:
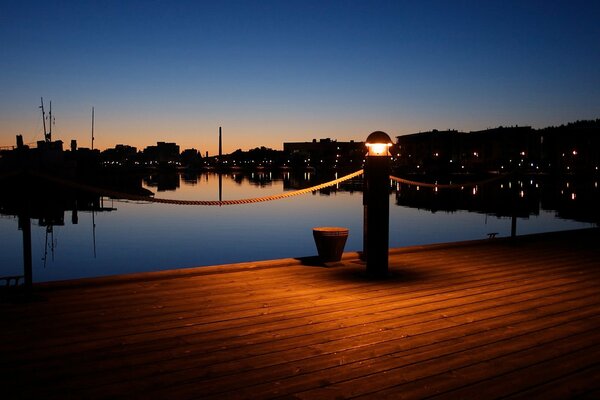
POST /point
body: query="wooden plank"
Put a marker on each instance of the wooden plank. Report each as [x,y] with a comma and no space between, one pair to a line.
[300,330]
[389,310]
[424,378]
[312,372]
[449,283]
[569,385]
[302,352]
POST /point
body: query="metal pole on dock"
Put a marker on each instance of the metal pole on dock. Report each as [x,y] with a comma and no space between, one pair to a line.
[376,204]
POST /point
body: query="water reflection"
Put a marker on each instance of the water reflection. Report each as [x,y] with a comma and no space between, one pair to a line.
[571,199]
[46,204]
[59,225]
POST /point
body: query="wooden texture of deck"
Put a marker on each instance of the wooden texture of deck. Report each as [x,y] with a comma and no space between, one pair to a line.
[493,319]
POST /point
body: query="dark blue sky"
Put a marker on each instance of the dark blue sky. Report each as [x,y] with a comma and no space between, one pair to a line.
[274,71]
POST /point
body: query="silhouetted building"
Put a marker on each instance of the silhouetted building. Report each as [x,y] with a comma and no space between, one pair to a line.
[325,153]
[451,151]
[163,154]
[191,158]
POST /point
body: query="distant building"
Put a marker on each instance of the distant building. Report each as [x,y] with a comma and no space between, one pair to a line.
[325,153]
[191,158]
[163,153]
[452,151]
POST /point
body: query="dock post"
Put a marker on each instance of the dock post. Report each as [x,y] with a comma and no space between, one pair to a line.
[376,204]
[25,225]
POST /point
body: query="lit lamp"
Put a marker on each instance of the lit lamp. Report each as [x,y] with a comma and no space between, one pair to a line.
[376,202]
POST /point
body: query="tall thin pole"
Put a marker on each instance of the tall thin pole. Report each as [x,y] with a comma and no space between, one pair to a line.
[92,128]
[49,137]
[220,144]
[44,118]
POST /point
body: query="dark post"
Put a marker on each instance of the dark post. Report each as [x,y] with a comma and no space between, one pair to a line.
[513,226]
[25,225]
[376,204]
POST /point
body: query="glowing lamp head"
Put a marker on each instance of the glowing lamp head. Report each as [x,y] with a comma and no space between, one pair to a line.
[378,144]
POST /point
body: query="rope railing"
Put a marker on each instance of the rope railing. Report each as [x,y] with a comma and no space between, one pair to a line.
[149,199]
[452,185]
[128,196]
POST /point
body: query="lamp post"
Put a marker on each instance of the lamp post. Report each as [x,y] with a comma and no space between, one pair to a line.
[376,204]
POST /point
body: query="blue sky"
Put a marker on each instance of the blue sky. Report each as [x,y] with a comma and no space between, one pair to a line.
[275,71]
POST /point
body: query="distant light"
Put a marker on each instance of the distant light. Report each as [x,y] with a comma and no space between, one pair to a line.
[521,194]
[573,196]
[574,152]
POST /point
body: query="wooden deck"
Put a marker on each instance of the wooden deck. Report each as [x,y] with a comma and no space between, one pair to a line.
[491,319]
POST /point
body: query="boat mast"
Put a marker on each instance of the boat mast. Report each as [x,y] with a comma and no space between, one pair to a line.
[49,137]
[44,119]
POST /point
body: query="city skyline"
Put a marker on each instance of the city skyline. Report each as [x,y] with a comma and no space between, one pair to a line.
[271,72]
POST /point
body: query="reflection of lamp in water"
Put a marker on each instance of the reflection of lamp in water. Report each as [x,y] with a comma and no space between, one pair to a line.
[376,203]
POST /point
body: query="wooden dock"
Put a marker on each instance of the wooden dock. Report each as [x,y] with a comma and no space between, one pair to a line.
[488,319]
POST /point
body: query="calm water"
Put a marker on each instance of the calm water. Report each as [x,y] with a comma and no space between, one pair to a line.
[137,237]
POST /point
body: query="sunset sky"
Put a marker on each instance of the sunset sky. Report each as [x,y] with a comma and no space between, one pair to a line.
[275,71]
